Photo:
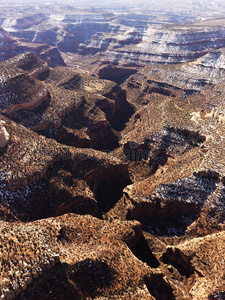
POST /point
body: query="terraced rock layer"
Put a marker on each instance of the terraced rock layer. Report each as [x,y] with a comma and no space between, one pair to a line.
[81,156]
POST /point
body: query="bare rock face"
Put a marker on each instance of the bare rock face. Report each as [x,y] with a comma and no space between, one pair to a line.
[11,46]
[75,109]
[174,157]
[4,136]
[111,189]
[81,249]
[121,41]
[147,44]
[51,55]
[19,91]
[54,179]
[208,251]
[68,43]
[131,39]
[114,73]
[8,45]
[164,153]
[30,63]
[82,256]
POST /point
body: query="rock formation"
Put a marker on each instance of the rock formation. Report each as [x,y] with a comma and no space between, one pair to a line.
[30,63]
[75,109]
[4,136]
[19,91]
[131,39]
[11,46]
[112,166]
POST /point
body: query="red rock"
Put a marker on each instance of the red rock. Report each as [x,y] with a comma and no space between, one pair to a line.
[4,136]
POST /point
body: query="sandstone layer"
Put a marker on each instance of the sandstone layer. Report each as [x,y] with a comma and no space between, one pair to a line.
[112,167]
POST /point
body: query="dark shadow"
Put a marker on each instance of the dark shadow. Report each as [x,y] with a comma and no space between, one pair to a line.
[65,137]
[54,194]
[160,145]
[159,288]
[43,76]
[143,253]
[4,149]
[136,152]
[92,276]
[123,109]
[218,296]
[55,284]
[179,261]
[110,190]
[117,74]
[100,136]
[63,188]
[119,120]
[170,227]
[183,203]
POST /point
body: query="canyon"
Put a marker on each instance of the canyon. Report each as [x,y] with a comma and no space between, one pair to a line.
[112,140]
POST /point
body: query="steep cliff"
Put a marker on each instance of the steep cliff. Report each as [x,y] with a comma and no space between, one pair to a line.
[111,189]
[11,46]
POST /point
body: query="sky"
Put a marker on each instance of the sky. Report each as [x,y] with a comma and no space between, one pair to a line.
[118,2]
[148,4]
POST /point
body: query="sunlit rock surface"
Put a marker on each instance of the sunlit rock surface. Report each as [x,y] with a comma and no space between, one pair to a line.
[112,167]
[4,136]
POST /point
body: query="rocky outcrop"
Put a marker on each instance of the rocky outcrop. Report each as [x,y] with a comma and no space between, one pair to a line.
[29,20]
[11,46]
[203,253]
[179,260]
[159,146]
[130,38]
[82,111]
[48,36]
[102,136]
[104,41]
[51,55]
[150,151]
[68,43]
[4,136]
[84,30]
[19,91]
[115,73]
[91,266]
[107,185]
[23,161]
[173,45]
[34,103]
[53,180]
[160,141]
[30,63]
[185,196]
[88,103]
[94,251]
